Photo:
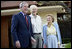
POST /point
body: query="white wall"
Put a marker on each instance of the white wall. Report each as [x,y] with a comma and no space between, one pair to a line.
[43,15]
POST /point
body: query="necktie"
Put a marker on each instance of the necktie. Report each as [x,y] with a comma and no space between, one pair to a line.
[27,22]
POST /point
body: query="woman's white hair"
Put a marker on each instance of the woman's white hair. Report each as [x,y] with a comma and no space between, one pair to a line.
[22,4]
[32,7]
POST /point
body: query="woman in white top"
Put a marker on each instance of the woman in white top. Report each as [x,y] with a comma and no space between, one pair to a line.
[37,26]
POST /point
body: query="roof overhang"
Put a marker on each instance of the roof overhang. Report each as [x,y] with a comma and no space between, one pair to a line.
[58,9]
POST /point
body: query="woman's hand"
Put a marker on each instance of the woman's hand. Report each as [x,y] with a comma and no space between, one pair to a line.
[58,44]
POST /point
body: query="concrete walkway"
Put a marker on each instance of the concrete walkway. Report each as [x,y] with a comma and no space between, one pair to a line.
[63,45]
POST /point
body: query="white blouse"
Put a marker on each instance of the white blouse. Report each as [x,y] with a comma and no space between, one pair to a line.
[51,30]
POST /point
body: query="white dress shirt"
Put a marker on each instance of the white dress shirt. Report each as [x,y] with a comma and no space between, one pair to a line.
[36,24]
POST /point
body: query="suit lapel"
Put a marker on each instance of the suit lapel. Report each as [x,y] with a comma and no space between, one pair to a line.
[23,19]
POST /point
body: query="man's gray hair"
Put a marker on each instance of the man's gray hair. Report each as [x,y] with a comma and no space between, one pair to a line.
[22,4]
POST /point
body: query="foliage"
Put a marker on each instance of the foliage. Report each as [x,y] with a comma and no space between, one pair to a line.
[68,45]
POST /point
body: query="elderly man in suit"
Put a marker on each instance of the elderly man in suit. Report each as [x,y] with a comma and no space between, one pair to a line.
[21,27]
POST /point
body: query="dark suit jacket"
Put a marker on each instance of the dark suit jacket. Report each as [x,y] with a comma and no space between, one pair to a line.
[20,31]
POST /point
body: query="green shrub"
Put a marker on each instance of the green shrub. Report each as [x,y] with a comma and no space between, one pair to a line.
[68,45]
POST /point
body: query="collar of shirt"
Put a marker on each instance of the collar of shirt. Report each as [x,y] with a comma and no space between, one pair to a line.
[33,16]
[47,23]
[23,14]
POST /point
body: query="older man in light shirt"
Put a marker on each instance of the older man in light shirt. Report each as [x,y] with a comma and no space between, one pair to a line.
[37,27]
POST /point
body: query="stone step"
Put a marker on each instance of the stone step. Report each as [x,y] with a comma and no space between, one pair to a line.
[63,45]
